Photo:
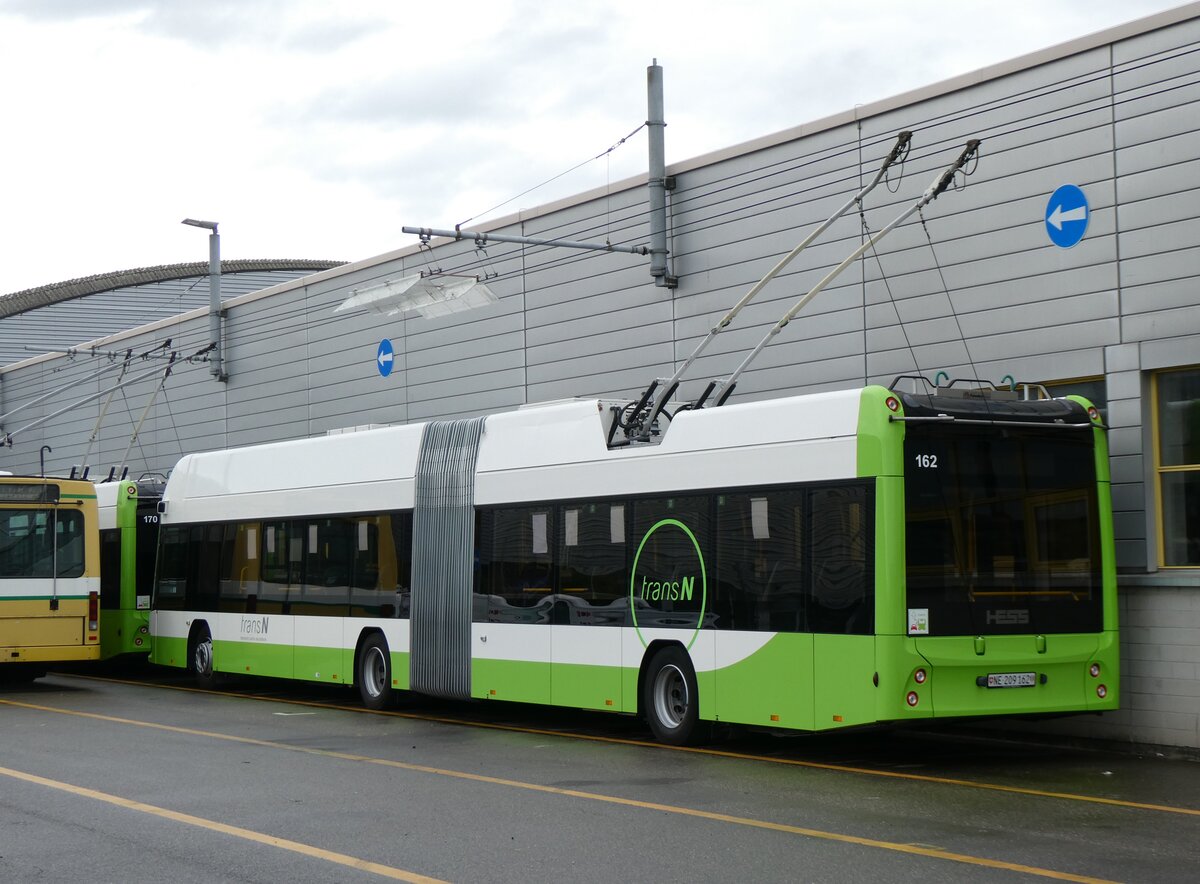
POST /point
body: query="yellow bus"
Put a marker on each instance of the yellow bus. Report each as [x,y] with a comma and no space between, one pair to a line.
[49,574]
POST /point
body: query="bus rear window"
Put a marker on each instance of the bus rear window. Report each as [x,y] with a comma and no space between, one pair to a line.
[1002,530]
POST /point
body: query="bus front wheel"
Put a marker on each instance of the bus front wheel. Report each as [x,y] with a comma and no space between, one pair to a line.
[670,700]
[374,674]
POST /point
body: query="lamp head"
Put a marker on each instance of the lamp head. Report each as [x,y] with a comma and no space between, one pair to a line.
[207,225]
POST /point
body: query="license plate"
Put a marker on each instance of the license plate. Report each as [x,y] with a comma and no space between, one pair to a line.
[1011,679]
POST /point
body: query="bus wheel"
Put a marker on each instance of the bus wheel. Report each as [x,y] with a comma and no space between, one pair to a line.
[374,674]
[201,660]
[670,701]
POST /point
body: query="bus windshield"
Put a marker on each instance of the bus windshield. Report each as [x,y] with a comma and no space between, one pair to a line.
[1002,530]
[26,547]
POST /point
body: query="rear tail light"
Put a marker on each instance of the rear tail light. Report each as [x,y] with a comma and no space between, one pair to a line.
[1101,691]
[1095,670]
[93,611]
[912,698]
[919,676]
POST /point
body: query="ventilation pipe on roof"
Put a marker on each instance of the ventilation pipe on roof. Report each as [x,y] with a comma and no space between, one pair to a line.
[658,177]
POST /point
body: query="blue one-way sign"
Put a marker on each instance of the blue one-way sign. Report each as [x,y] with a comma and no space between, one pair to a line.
[1067,216]
[385,357]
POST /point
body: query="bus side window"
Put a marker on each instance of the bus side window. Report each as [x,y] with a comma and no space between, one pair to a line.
[170,585]
[760,561]
[110,568]
[842,560]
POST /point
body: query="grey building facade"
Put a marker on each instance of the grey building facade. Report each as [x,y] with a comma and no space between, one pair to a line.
[973,286]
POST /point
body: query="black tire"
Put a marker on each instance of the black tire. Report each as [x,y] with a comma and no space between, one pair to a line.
[670,701]
[373,675]
[200,658]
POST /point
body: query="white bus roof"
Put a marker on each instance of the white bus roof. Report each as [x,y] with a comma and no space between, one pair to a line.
[555,451]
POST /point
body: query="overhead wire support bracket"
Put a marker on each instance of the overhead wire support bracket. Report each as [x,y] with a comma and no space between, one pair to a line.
[898,153]
[932,192]
[482,238]
[162,382]
[112,366]
[7,440]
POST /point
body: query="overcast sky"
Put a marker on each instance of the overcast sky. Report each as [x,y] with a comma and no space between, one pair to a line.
[319,129]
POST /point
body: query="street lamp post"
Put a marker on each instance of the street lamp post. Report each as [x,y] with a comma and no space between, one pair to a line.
[214,295]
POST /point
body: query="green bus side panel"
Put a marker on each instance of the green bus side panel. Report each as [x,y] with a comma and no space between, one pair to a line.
[1061,672]
[1108,655]
[1108,549]
[167,651]
[706,685]
[586,687]
[400,669]
[629,691]
[121,630]
[519,681]
[251,658]
[880,439]
[890,612]
[1108,553]
[773,687]
[843,675]
[897,661]
[322,664]
[881,456]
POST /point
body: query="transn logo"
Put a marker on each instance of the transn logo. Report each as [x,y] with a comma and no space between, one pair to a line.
[668,590]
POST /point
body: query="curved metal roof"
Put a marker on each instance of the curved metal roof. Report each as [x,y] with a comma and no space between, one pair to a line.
[55,293]
[53,317]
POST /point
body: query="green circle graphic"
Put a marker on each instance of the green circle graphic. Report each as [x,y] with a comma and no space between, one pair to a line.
[703,578]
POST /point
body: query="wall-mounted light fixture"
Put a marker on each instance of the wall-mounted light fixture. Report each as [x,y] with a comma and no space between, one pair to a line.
[438,294]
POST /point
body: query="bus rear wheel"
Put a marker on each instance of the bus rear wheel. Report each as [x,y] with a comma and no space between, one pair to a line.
[200,661]
[670,700]
[374,675]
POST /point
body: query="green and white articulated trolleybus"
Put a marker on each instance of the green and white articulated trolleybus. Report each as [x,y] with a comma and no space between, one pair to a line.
[128,546]
[814,562]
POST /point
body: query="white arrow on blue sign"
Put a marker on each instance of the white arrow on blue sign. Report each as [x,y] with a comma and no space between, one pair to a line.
[385,357]
[1067,216]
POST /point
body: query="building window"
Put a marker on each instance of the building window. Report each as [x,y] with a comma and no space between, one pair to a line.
[1177,462]
[1092,389]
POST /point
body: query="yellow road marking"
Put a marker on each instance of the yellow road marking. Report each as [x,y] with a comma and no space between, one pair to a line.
[697,750]
[341,859]
[913,849]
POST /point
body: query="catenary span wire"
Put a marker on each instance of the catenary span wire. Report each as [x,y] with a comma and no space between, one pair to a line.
[603,153]
[996,150]
[992,143]
[950,301]
[1101,103]
[679,201]
[896,307]
[1091,105]
[1120,98]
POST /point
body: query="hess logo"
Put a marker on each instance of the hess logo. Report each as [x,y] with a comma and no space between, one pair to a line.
[1008,617]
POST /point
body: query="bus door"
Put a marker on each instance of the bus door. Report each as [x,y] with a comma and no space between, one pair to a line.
[590,606]
[256,634]
[842,611]
[510,648]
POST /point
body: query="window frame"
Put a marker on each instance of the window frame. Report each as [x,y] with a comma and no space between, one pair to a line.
[1160,470]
